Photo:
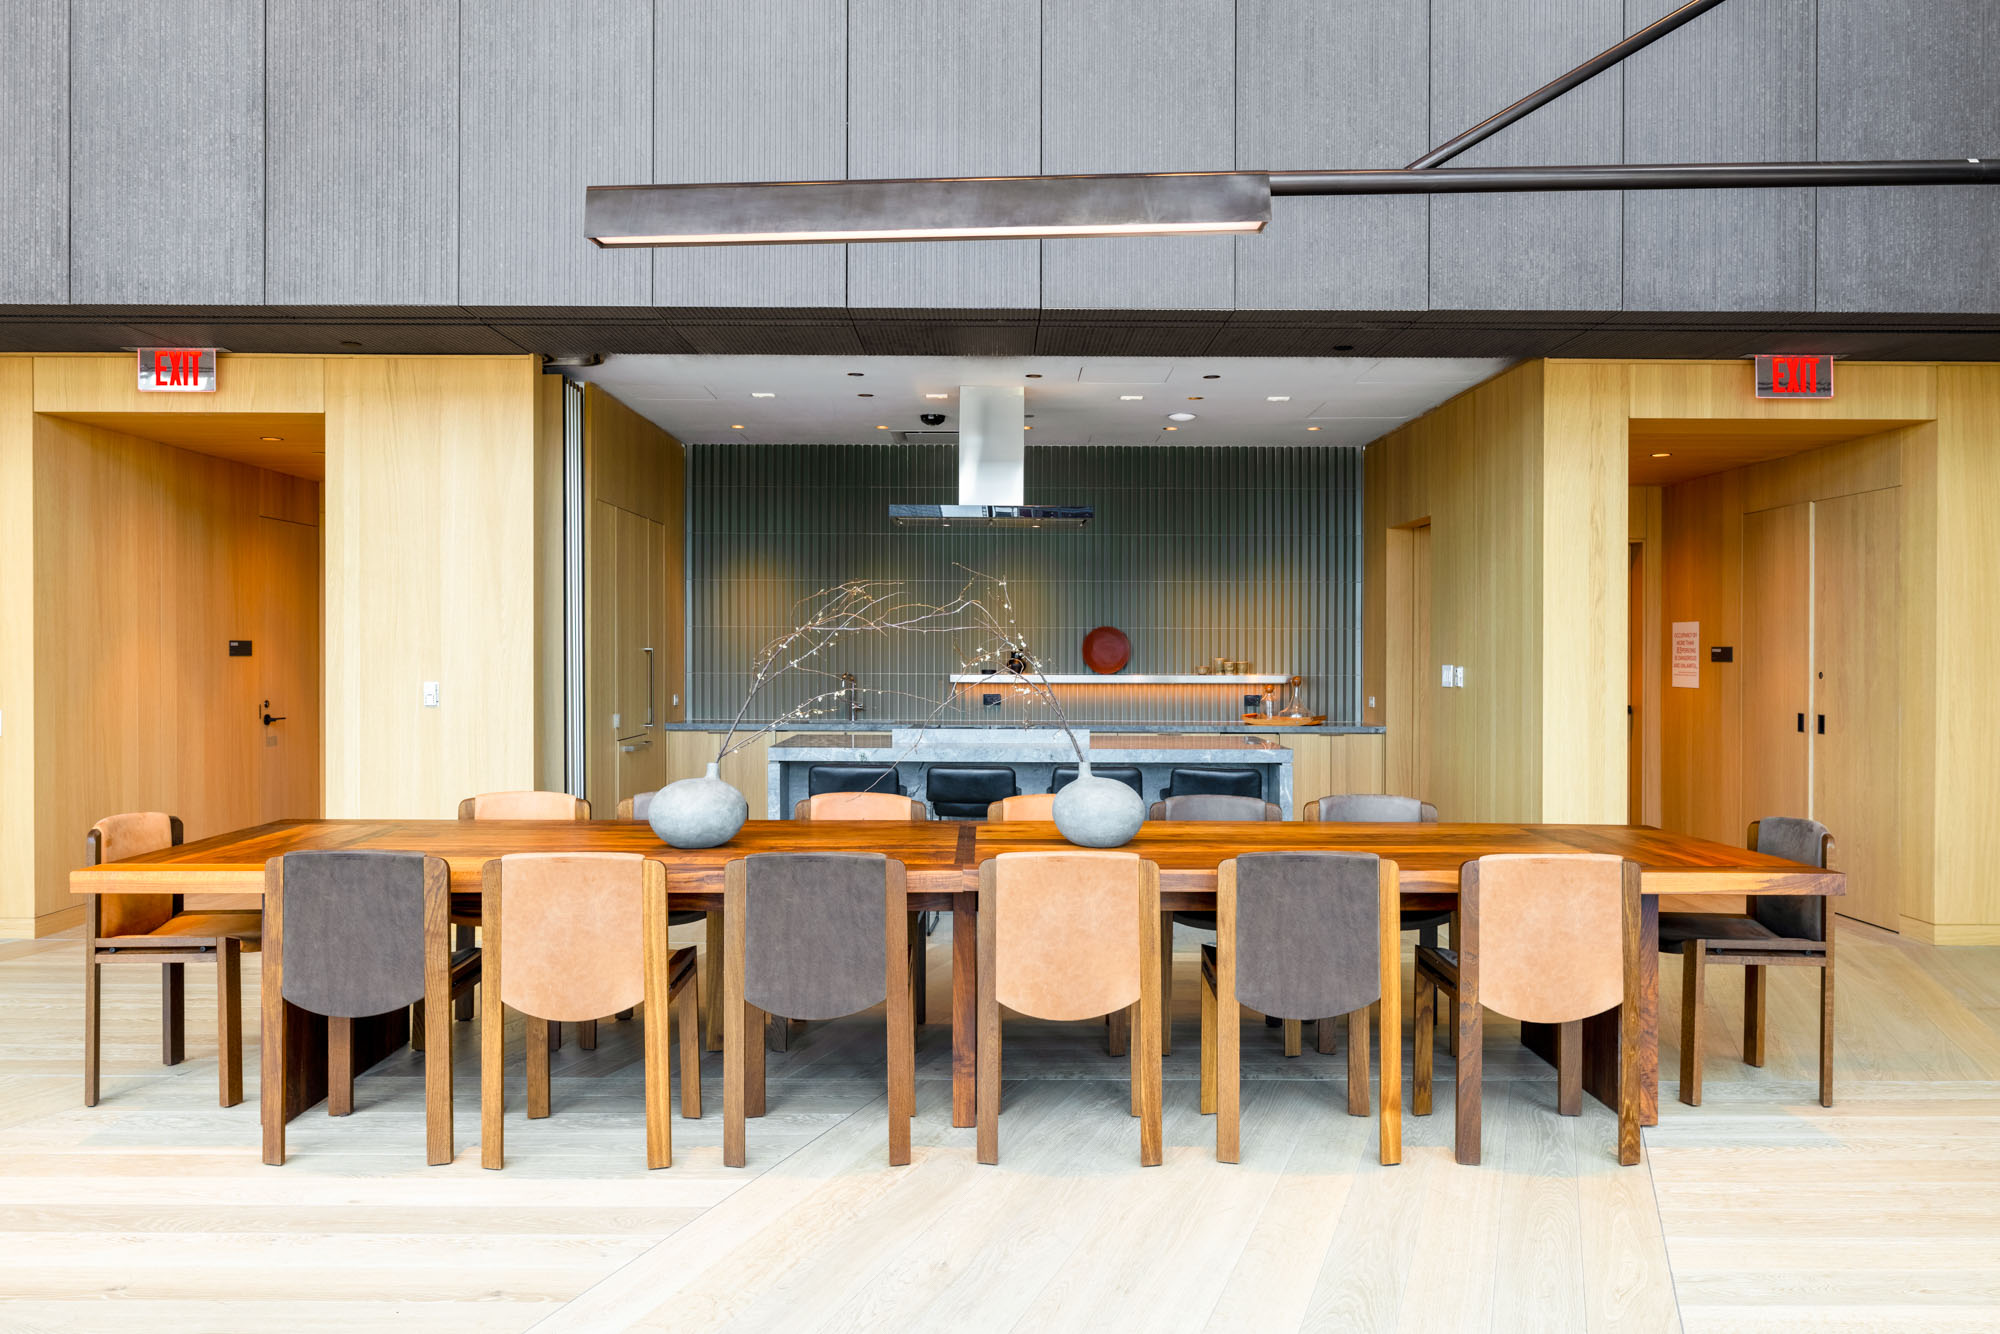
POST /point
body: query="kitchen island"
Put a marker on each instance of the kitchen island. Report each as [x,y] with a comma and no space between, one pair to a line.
[1034,753]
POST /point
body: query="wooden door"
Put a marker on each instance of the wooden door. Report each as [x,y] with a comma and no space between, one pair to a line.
[1857,552]
[1408,676]
[1635,684]
[639,640]
[1777,662]
[286,658]
[1420,653]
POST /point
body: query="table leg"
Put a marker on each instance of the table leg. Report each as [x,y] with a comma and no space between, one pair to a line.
[1600,1031]
[964,1007]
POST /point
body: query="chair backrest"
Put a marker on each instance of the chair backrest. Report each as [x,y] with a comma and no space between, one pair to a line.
[353,929]
[1308,931]
[1209,806]
[1548,931]
[822,778]
[1372,808]
[1797,916]
[1034,806]
[1064,774]
[524,806]
[964,791]
[815,929]
[859,806]
[115,838]
[573,931]
[1066,930]
[1217,780]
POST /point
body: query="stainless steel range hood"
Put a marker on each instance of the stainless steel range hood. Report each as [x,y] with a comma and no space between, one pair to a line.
[992,437]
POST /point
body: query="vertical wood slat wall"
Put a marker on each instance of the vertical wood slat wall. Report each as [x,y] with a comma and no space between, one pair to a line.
[1251,553]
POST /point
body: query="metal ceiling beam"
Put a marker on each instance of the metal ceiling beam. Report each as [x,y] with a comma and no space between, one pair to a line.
[1549,92]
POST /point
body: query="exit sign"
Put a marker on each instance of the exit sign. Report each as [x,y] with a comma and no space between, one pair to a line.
[1795,377]
[176,370]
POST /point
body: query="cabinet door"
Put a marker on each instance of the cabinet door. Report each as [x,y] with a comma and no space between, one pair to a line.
[638,643]
[1857,553]
[1777,662]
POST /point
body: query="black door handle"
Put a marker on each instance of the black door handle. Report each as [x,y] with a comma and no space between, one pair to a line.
[1822,724]
[268,719]
[1802,722]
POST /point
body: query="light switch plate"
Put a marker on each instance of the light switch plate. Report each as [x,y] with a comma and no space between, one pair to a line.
[1371,701]
[1447,676]
[1458,677]
[430,694]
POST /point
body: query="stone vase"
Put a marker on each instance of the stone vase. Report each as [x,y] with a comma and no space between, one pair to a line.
[700,812]
[1098,812]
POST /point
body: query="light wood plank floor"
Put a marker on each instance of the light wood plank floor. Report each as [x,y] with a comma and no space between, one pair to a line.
[1758,1211]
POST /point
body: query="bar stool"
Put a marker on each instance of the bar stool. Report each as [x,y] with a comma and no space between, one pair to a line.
[1064,774]
[1215,780]
[154,929]
[964,791]
[824,778]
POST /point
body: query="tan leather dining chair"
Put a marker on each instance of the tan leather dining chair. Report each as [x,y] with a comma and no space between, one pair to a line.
[710,973]
[1793,930]
[1034,806]
[348,935]
[1548,940]
[885,806]
[1304,934]
[551,806]
[814,935]
[155,929]
[1070,935]
[575,934]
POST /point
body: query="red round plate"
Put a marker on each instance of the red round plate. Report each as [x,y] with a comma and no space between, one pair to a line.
[1106,650]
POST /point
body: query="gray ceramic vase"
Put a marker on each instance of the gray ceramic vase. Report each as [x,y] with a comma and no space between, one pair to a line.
[698,812]
[1098,812]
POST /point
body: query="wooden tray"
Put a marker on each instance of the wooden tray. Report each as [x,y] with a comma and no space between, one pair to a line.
[1259,720]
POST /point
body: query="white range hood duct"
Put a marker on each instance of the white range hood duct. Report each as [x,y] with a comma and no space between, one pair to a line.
[992,455]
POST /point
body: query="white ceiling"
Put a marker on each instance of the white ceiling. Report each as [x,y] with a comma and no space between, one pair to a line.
[1075,400]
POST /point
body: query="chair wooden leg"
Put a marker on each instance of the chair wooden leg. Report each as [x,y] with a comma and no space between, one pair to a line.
[656,1039]
[492,1072]
[1826,1028]
[1753,1014]
[92,1005]
[987,1085]
[1294,1037]
[555,1035]
[1166,984]
[1118,1032]
[463,937]
[1694,959]
[920,980]
[1228,1074]
[1151,1037]
[688,1012]
[1323,1035]
[229,1019]
[1422,1026]
[1357,1060]
[339,1067]
[538,1067]
[273,1070]
[1451,1015]
[586,1034]
[744,1032]
[712,981]
[417,1026]
[173,1013]
[901,1038]
[1569,1068]
[1208,1035]
[1427,936]
[754,1102]
[1471,1052]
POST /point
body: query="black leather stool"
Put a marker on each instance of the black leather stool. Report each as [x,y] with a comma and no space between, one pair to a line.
[964,791]
[822,778]
[1065,774]
[1215,781]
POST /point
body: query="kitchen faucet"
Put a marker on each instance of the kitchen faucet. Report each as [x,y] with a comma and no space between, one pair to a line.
[852,691]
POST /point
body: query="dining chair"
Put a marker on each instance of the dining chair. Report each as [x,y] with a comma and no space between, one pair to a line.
[1206,806]
[574,934]
[1070,935]
[1547,939]
[883,806]
[1298,935]
[1381,808]
[552,806]
[1793,930]
[349,935]
[709,967]
[814,935]
[156,929]
[1032,806]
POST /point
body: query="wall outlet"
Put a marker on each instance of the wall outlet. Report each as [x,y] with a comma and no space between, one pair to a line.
[430,694]
[1446,683]
[1371,701]
[1458,678]
[677,701]
[990,701]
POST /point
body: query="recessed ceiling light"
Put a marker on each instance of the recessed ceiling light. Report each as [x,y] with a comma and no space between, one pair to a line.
[1032,375]
[864,395]
[1211,377]
[881,428]
[1312,428]
[1663,456]
[1277,398]
[1130,398]
[736,426]
[1194,398]
[1027,428]
[937,395]
[1180,417]
[271,439]
[855,375]
[1173,428]
[755,394]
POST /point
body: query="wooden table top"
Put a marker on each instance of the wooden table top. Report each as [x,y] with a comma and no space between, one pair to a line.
[942,856]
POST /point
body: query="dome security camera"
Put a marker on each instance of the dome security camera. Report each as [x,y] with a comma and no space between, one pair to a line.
[931,418]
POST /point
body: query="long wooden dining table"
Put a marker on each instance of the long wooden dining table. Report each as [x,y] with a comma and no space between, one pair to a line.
[943,857]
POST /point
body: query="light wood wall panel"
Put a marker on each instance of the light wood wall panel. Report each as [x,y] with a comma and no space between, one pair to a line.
[549,584]
[17,647]
[430,576]
[1645,525]
[109,382]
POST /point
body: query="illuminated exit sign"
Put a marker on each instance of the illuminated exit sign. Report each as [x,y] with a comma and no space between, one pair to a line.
[176,370]
[1795,377]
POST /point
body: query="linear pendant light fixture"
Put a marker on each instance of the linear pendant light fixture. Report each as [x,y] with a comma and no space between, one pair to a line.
[1181,203]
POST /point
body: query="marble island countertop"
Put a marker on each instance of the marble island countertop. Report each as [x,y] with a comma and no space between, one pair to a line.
[1122,729]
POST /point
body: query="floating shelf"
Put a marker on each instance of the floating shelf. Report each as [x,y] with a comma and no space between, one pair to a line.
[1123,679]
